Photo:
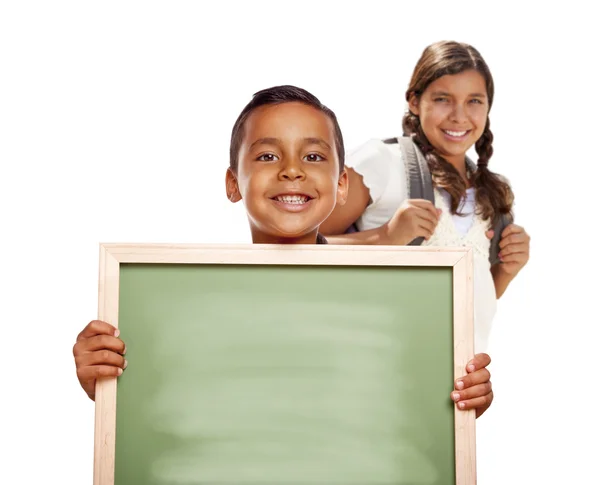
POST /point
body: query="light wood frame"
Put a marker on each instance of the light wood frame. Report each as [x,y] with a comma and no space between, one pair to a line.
[459,259]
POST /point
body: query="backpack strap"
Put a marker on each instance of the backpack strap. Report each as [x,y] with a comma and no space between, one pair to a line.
[500,223]
[420,184]
[321,239]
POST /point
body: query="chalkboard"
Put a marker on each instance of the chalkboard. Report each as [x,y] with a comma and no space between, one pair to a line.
[286,364]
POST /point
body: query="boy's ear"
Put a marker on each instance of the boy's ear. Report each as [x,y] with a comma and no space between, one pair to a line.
[413,104]
[231,186]
[342,188]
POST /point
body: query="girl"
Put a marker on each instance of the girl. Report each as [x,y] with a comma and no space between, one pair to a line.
[449,99]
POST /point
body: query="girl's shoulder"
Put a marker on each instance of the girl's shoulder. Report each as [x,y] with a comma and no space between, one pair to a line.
[381,166]
[376,151]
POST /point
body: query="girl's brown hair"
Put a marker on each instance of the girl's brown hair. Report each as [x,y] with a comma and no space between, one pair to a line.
[493,195]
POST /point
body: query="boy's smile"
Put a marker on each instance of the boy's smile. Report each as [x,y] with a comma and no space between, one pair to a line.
[292,201]
[288,173]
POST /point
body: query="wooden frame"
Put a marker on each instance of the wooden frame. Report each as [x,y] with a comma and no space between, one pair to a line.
[459,259]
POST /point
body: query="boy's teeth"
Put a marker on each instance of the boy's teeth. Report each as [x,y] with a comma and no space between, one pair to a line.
[456,133]
[292,199]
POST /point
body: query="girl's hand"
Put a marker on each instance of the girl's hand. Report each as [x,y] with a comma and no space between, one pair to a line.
[474,391]
[415,218]
[514,249]
[98,353]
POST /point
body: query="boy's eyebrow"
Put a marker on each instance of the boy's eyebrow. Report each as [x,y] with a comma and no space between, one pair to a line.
[266,141]
[276,141]
[317,141]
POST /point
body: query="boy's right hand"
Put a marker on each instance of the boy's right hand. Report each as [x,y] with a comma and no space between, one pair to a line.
[98,353]
[415,218]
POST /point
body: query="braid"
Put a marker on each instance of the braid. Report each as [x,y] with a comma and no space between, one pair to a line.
[493,195]
[484,147]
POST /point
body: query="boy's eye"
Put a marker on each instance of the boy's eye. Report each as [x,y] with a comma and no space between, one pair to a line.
[314,157]
[267,157]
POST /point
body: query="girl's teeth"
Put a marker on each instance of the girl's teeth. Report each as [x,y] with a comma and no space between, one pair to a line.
[292,199]
[455,133]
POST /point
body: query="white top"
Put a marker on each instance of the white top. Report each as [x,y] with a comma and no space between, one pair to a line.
[383,170]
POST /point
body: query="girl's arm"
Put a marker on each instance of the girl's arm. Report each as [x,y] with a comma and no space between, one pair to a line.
[514,253]
[343,216]
[414,218]
[474,390]
[501,279]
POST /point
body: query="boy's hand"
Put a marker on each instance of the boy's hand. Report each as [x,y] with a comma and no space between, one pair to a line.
[474,391]
[98,353]
[415,218]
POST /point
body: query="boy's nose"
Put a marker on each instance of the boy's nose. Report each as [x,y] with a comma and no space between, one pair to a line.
[292,170]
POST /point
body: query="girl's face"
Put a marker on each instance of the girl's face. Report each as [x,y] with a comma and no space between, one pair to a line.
[453,112]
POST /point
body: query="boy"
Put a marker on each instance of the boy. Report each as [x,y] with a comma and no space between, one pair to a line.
[287,165]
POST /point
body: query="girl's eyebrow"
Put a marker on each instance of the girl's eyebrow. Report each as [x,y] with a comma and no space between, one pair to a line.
[443,93]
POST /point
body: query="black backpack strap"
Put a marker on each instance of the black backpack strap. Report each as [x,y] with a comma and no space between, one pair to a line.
[500,224]
[420,185]
[321,239]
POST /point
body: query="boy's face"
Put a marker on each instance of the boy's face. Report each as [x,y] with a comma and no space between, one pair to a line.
[288,173]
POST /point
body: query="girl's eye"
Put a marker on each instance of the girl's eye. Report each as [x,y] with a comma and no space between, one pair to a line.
[267,157]
[314,157]
[476,101]
[440,100]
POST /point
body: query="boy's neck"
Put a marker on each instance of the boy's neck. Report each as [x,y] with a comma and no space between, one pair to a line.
[262,238]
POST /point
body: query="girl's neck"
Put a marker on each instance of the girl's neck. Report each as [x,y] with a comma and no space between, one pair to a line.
[459,162]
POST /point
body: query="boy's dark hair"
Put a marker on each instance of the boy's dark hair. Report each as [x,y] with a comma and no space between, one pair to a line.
[278,95]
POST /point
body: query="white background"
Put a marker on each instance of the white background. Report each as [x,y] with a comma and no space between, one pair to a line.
[115,120]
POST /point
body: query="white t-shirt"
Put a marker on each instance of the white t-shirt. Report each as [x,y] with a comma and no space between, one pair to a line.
[383,170]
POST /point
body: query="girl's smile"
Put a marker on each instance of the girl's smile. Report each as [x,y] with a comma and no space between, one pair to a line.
[456,135]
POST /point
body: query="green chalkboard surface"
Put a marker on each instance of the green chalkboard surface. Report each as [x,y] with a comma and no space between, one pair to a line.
[275,374]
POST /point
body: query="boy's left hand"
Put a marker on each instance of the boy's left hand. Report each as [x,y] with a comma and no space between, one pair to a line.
[514,249]
[474,391]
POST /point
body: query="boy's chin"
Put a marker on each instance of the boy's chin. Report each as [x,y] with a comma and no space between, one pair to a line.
[285,235]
